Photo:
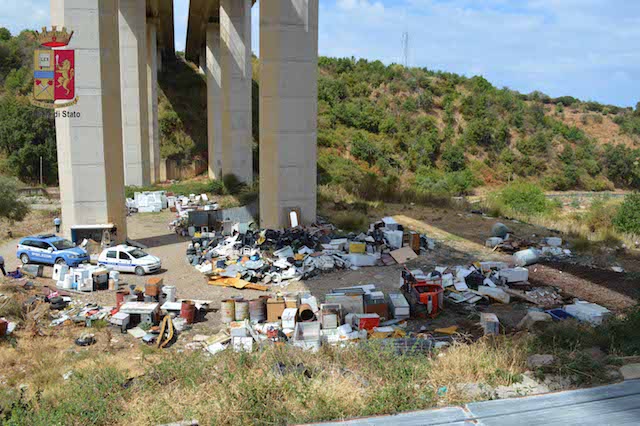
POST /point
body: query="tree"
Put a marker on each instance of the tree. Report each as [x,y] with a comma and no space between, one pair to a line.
[453,158]
[10,207]
[627,219]
[5,34]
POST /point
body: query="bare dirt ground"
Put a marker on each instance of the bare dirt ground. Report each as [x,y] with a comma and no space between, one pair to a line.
[459,237]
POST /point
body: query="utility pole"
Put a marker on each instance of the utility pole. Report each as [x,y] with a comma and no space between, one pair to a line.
[405,49]
[41,180]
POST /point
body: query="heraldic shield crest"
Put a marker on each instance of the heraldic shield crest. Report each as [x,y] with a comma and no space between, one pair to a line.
[54,73]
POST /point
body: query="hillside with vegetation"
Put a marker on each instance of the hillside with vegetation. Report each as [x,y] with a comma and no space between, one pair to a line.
[384,132]
[390,128]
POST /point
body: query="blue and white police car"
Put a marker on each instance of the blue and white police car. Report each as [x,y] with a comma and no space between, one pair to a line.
[125,258]
[50,249]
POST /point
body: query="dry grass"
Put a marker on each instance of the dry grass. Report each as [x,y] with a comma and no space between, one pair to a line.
[37,221]
[234,389]
[491,361]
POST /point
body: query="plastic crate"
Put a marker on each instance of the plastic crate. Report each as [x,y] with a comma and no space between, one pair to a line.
[559,314]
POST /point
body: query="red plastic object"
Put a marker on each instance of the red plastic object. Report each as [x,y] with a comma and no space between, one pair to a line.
[367,321]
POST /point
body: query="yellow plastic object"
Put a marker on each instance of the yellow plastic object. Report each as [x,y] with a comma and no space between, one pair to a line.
[447,330]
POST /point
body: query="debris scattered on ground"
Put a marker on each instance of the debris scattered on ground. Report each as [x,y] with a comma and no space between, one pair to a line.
[254,259]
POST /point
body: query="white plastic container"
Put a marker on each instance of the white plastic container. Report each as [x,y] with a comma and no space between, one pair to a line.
[170,291]
[553,241]
[526,257]
[68,282]
[515,275]
[493,241]
[289,318]
[399,305]
[307,336]
[589,312]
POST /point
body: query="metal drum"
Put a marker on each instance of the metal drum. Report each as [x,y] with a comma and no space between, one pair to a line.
[228,311]
[242,310]
[258,310]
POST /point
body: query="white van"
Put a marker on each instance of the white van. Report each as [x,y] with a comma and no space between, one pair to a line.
[125,258]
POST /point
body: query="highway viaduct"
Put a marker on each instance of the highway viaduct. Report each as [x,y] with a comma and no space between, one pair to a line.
[113,140]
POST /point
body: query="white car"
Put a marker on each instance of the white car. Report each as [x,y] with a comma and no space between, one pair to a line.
[125,258]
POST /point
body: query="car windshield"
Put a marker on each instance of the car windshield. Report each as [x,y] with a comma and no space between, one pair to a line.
[137,253]
[63,245]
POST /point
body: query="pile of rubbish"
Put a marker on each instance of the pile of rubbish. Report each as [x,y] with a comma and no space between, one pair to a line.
[255,259]
[156,201]
[349,315]
[526,252]
[152,313]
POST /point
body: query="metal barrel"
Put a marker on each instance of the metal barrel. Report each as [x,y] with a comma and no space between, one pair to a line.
[228,311]
[305,313]
[258,310]
[242,310]
[188,311]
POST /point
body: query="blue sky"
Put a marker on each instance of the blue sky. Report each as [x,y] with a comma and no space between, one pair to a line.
[585,48]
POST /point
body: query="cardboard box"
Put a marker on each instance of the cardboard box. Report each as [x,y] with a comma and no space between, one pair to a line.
[275,308]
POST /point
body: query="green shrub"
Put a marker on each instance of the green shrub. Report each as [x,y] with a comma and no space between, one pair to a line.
[627,219]
[331,90]
[10,207]
[521,198]
[364,149]
[351,221]
[453,158]
[423,150]
[410,104]
[478,133]
[600,214]
[425,101]
[359,113]
[436,182]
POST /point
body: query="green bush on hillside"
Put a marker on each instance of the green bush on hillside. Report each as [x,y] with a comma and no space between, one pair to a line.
[522,198]
[433,181]
[10,207]
[627,219]
[453,158]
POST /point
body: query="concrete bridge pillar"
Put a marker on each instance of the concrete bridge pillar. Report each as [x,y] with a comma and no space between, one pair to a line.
[288,110]
[133,78]
[236,72]
[90,160]
[152,92]
[214,100]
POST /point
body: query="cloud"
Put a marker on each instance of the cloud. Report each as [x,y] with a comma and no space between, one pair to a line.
[558,46]
[583,48]
[24,15]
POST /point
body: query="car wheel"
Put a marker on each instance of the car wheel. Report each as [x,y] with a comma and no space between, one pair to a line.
[60,261]
[24,258]
[140,271]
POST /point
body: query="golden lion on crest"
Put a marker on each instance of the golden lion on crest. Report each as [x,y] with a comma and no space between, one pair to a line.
[67,74]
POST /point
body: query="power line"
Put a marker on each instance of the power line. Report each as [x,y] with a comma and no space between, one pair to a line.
[405,48]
